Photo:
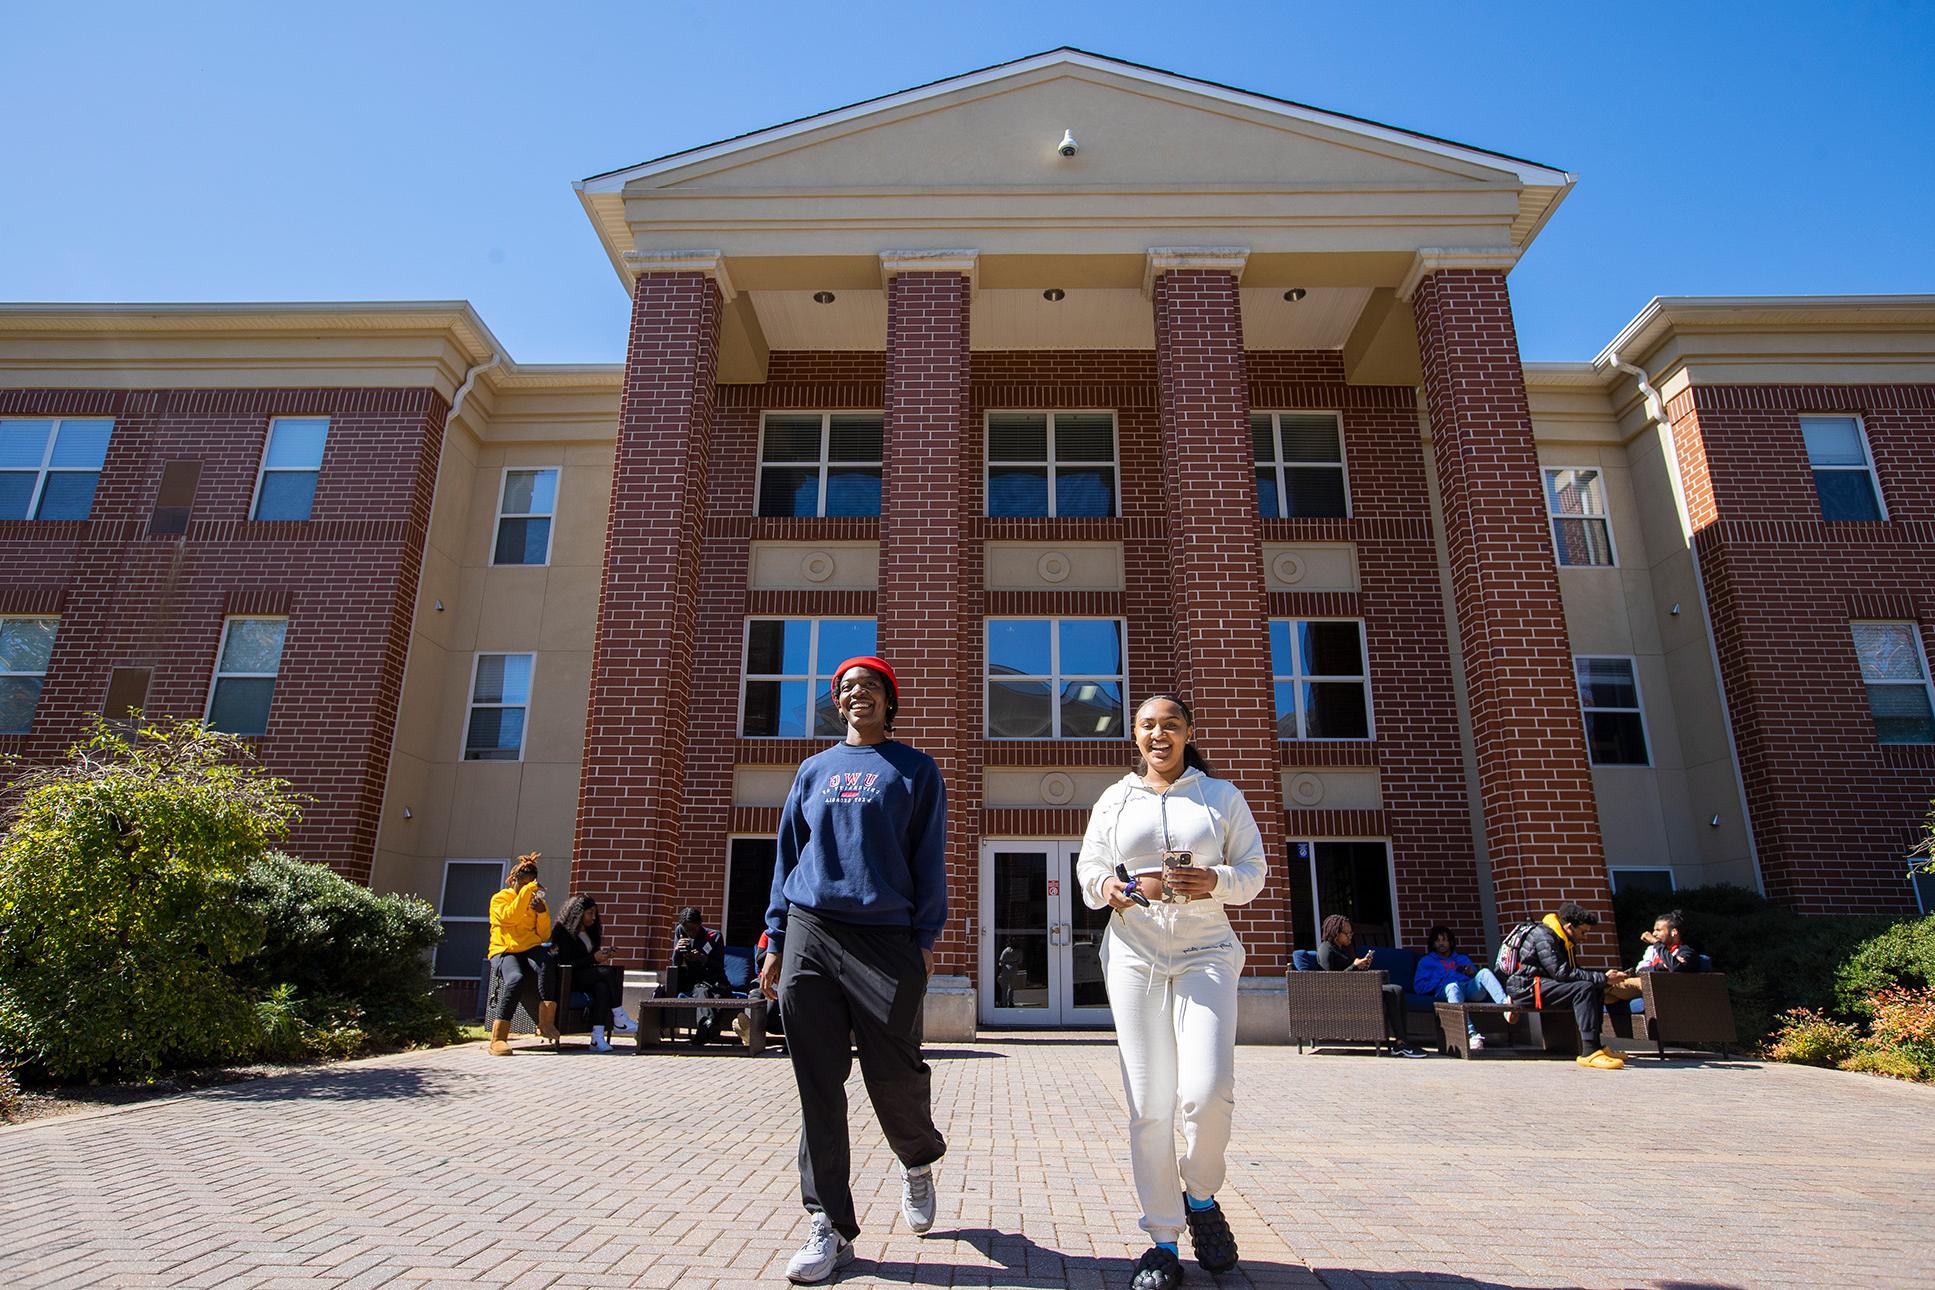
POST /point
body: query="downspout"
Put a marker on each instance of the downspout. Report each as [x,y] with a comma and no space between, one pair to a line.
[1656,413]
[470,379]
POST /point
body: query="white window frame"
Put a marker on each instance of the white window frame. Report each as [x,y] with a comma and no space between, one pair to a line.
[1316,891]
[1639,707]
[1056,680]
[497,525]
[47,467]
[1370,709]
[221,648]
[1612,872]
[812,662]
[443,894]
[1603,514]
[262,467]
[725,901]
[1278,465]
[1867,458]
[471,705]
[1052,465]
[1921,655]
[41,675]
[826,447]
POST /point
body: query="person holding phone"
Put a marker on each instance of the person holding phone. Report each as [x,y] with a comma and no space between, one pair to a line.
[578,942]
[1168,849]
[520,924]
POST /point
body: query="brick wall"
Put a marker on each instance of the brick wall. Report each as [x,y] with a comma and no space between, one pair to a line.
[346,578]
[1833,810]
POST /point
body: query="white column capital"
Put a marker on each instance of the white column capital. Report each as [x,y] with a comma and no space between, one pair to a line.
[1162,259]
[710,263]
[1427,260]
[966,262]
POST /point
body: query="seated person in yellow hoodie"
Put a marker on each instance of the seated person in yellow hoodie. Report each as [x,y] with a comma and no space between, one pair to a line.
[520,924]
[1546,973]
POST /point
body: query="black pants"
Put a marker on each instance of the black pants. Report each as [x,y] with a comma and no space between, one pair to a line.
[526,970]
[1588,1002]
[707,1021]
[841,978]
[598,982]
[1394,1020]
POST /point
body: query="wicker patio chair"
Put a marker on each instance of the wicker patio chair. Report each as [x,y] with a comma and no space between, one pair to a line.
[1687,1010]
[1337,1007]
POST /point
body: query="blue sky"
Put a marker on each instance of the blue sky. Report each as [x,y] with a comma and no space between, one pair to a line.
[426,150]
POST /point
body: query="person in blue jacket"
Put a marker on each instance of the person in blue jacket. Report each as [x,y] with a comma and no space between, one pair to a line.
[1447,976]
[859,896]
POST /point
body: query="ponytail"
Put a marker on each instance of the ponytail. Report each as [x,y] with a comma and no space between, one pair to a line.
[1192,755]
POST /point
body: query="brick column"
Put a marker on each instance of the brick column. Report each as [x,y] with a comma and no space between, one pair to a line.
[1541,820]
[919,603]
[1216,578]
[632,790]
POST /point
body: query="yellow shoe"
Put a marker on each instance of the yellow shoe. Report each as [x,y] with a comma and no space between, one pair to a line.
[1603,1060]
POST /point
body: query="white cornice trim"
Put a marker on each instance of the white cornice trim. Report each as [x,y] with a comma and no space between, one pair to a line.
[710,263]
[1662,314]
[1429,259]
[1163,259]
[965,262]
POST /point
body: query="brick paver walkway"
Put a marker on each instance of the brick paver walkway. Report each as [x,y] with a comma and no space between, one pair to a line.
[450,1168]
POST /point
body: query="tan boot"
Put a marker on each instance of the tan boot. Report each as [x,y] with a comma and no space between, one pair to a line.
[500,1039]
[548,1023]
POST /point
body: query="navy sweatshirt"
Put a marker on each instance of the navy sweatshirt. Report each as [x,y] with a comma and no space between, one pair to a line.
[863,839]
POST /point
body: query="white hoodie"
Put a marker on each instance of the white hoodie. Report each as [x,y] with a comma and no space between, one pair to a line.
[1133,824]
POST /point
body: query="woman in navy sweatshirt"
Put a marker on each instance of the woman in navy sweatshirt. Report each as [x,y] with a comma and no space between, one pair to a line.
[859,895]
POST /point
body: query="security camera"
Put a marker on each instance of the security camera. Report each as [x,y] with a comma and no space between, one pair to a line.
[1068,145]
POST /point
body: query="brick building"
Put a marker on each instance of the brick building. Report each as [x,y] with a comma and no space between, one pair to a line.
[1228,402]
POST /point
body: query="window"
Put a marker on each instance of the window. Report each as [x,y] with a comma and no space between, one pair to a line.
[524,511]
[1300,465]
[245,674]
[175,499]
[500,695]
[1354,879]
[1575,498]
[25,646]
[1615,726]
[1051,464]
[1844,475]
[749,886]
[127,694]
[1895,671]
[1055,678]
[48,469]
[820,463]
[464,910]
[1660,880]
[789,674]
[1323,690]
[285,488]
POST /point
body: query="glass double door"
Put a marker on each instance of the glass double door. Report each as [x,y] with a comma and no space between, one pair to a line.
[1040,944]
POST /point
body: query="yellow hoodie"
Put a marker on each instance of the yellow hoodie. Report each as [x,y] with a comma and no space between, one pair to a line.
[514,925]
[1558,929]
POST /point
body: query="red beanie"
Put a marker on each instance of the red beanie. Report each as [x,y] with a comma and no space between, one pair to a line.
[866,660]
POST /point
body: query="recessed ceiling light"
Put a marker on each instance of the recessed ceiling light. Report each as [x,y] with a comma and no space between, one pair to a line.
[822,297]
[1295,294]
[1053,294]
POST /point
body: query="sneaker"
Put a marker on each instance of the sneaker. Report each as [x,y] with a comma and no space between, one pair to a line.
[742,1027]
[825,1252]
[1603,1060]
[1511,1017]
[1157,1269]
[1210,1237]
[1405,1050]
[1475,1042]
[602,1046]
[621,1023]
[917,1198]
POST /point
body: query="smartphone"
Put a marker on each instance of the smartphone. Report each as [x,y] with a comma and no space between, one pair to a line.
[1178,859]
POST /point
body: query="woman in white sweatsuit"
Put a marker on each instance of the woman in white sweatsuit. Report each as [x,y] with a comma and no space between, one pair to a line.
[1171,971]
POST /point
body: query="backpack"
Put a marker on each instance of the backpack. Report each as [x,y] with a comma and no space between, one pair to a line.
[1511,949]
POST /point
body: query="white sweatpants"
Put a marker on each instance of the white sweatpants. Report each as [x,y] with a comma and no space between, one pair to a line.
[1175,1026]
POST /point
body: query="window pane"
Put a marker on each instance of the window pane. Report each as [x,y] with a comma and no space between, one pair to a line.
[1354,879]
[789,491]
[1607,683]
[1833,441]
[792,439]
[1615,739]
[761,716]
[467,889]
[1286,693]
[749,881]
[1575,492]
[1887,652]
[286,495]
[1091,710]
[254,645]
[241,705]
[26,643]
[1582,542]
[460,955]
[1084,436]
[24,443]
[1311,438]
[1016,436]
[82,444]
[1019,710]
[1018,646]
[294,445]
[1901,714]
[854,439]
[1263,438]
[794,704]
[826,717]
[1660,880]
[1314,492]
[851,491]
[16,493]
[530,492]
[1335,710]
[68,495]
[18,695]
[496,734]
[1091,647]
[1331,649]
[1846,495]
[843,638]
[1281,661]
[1266,494]
[777,646]
[1085,491]
[1018,490]
[503,678]
[522,541]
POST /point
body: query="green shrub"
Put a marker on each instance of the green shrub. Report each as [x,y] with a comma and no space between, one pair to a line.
[1901,955]
[1807,1037]
[9,1094]
[278,1018]
[119,880]
[1886,1061]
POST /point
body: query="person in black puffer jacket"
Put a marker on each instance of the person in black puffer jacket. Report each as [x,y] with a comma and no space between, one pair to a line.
[1548,975]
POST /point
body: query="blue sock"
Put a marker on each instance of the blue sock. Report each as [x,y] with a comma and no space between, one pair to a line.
[1199,1204]
[1169,1246]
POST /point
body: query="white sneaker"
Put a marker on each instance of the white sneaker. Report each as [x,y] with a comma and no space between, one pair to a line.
[825,1252]
[917,1198]
[1475,1041]
[621,1023]
[599,1044]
